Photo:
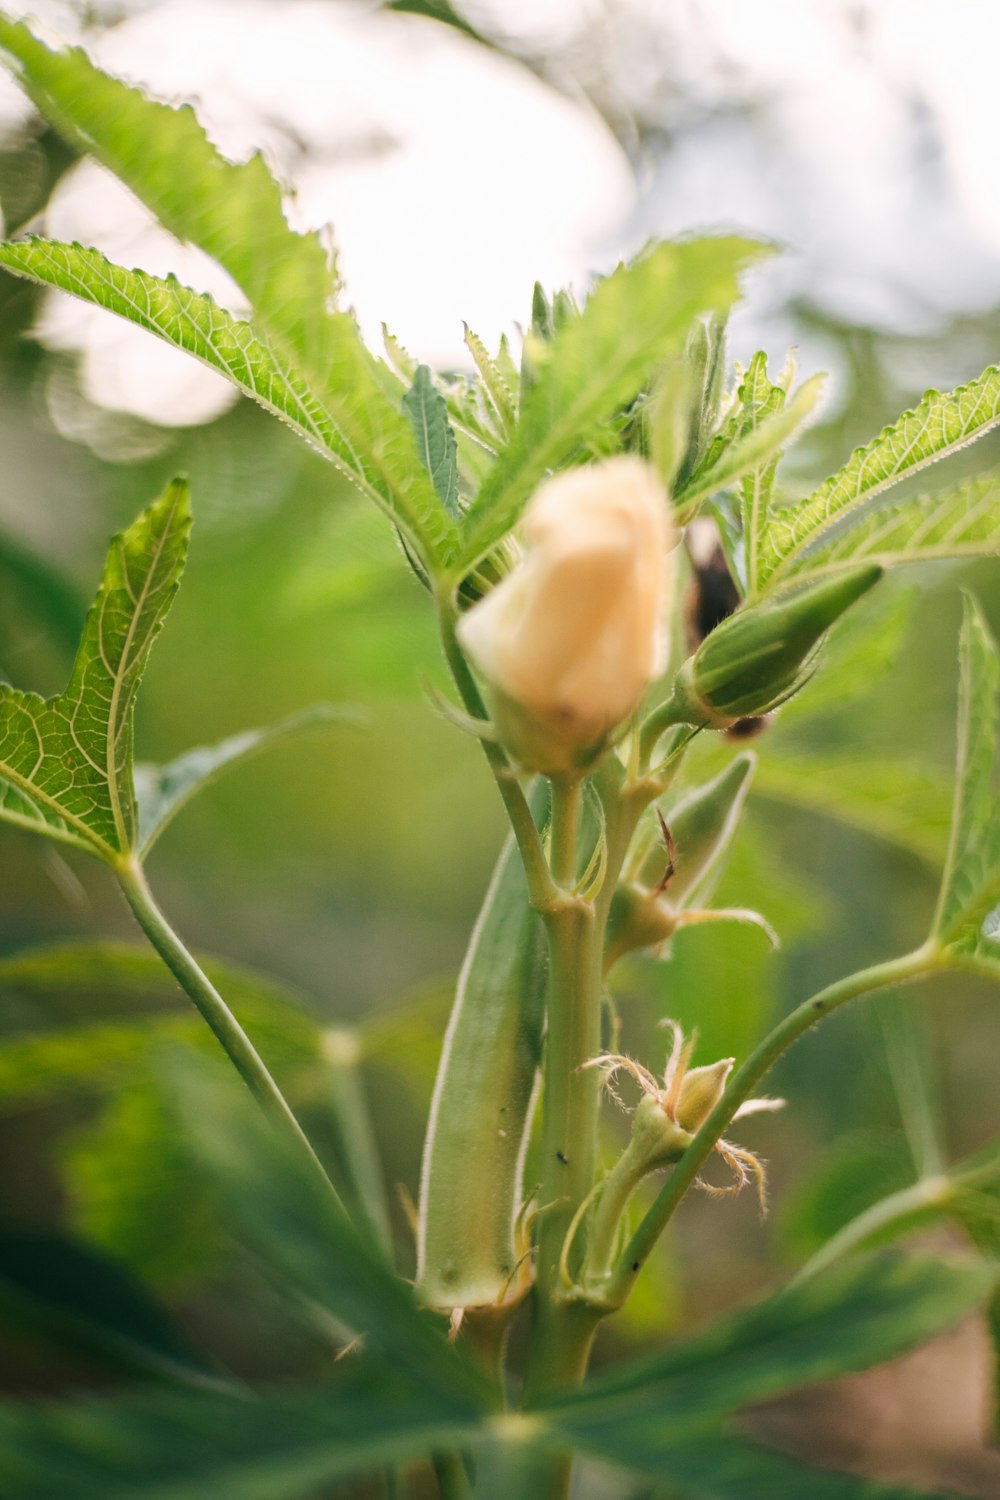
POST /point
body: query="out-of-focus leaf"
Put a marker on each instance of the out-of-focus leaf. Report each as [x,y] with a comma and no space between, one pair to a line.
[903,804]
[428,414]
[855,1316]
[180,1446]
[161,791]
[963,521]
[79,1014]
[597,362]
[233,212]
[298,1229]
[72,1292]
[129,1188]
[66,762]
[723,1468]
[970,886]
[939,425]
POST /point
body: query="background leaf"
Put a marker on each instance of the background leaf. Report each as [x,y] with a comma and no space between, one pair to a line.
[285,1446]
[161,791]
[297,1229]
[66,762]
[73,1292]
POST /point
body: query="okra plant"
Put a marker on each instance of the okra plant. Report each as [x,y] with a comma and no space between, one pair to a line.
[617,578]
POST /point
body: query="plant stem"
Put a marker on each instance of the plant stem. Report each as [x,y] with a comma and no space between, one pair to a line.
[880,976]
[541,890]
[616,1191]
[228,1031]
[564,1327]
[358,1148]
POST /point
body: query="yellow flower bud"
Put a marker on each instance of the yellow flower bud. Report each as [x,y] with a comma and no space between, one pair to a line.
[569,641]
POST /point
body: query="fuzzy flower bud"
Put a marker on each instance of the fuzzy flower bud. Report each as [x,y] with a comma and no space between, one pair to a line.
[569,641]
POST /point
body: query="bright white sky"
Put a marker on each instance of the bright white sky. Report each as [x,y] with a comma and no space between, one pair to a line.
[455,178]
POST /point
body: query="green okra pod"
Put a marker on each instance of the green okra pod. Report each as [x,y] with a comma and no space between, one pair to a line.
[468,1252]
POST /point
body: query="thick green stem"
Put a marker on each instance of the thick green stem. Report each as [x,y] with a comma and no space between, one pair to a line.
[880,976]
[541,890]
[228,1031]
[563,1329]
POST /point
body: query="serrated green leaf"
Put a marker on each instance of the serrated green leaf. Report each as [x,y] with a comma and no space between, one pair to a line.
[963,521]
[66,762]
[764,425]
[161,791]
[428,414]
[353,424]
[56,1286]
[598,362]
[938,426]
[173,1445]
[496,375]
[233,212]
[970,884]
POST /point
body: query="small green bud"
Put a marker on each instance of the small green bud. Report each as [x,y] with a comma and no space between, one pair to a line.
[755,659]
[700,1093]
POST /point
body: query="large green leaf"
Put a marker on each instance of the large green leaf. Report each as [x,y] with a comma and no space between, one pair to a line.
[74,1293]
[161,791]
[352,424]
[598,362]
[235,214]
[171,1445]
[297,1228]
[857,1315]
[723,1468]
[970,886]
[232,212]
[939,425]
[962,521]
[66,762]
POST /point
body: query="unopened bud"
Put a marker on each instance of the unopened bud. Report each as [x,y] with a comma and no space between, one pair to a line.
[754,660]
[571,638]
[700,1093]
[657,1140]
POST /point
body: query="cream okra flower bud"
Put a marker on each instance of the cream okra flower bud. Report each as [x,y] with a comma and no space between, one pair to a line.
[569,641]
